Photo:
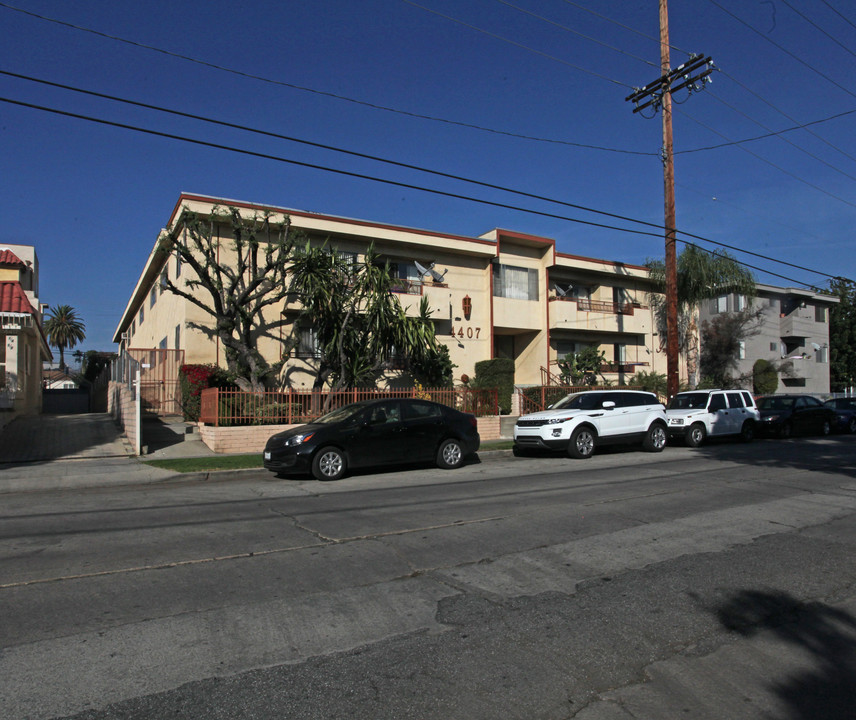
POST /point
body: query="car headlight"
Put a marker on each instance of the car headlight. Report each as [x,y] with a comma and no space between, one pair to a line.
[297,439]
[554,421]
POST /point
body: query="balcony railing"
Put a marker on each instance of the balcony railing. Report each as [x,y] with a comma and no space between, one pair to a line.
[599,306]
[404,286]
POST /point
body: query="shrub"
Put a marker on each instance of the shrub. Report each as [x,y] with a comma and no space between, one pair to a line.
[765,377]
[497,373]
[193,379]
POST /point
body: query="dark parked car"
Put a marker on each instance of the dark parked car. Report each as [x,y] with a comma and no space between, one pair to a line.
[371,433]
[845,413]
[785,415]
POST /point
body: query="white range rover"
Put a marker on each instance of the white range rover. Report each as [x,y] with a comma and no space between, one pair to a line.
[581,421]
[699,414]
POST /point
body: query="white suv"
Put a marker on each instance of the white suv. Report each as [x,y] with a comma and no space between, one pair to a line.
[699,414]
[581,421]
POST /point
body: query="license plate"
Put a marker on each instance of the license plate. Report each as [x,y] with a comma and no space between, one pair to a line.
[267,456]
[676,421]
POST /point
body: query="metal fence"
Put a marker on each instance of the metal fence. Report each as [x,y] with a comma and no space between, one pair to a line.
[125,369]
[234,407]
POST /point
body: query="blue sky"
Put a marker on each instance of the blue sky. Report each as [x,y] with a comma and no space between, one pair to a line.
[92,198]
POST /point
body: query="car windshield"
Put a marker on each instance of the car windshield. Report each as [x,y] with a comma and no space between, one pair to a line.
[339,414]
[689,401]
[579,401]
[775,403]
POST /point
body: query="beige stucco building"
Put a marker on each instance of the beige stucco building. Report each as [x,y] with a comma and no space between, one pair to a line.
[502,294]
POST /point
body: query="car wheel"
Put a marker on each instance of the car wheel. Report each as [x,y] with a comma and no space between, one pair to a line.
[826,428]
[785,430]
[747,432]
[696,435]
[655,438]
[582,443]
[851,426]
[329,464]
[450,454]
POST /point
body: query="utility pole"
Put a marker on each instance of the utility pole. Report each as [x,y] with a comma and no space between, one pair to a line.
[658,94]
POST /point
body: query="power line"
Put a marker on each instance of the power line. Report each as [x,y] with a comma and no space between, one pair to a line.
[410,186]
[818,28]
[771,164]
[322,93]
[845,19]
[517,44]
[577,33]
[396,163]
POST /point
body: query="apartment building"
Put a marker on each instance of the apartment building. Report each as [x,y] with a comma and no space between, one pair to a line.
[502,294]
[23,346]
[793,334]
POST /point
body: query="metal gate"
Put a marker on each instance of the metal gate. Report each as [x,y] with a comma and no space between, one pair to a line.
[159,389]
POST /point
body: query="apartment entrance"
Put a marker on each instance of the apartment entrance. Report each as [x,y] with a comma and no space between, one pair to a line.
[159,389]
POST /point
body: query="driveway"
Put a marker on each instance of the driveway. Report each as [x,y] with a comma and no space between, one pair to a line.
[48,452]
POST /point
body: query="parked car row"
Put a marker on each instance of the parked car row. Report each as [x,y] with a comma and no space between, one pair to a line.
[583,421]
[395,431]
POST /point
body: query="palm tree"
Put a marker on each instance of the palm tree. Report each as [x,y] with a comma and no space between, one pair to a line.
[64,329]
[702,275]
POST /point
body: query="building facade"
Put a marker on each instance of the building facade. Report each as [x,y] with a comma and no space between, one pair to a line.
[503,294]
[23,346]
[793,334]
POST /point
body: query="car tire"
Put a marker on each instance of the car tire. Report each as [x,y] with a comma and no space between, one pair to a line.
[826,427]
[785,430]
[656,438]
[747,432]
[450,454]
[582,443]
[851,426]
[329,464]
[695,435]
[519,452]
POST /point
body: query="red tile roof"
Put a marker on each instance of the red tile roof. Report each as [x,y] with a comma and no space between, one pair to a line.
[13,299]
[8,258]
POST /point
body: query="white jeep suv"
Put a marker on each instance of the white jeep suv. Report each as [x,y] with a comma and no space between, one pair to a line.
[699,414]
[581,421]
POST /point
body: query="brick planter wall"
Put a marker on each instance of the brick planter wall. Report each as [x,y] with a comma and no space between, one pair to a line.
[252,439]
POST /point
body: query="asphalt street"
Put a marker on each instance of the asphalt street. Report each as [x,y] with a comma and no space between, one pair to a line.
[709,583]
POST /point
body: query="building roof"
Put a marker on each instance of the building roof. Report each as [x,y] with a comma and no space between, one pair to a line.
[9,259]
[13,299]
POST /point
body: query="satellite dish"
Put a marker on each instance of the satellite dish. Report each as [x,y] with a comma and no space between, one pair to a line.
[563,293]
[437,277]
[421,269]
[815,346]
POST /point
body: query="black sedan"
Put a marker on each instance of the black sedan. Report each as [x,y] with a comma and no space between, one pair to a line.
[845,413]
[371,433]
[786,415]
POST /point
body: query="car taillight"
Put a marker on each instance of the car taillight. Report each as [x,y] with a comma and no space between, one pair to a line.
[473,421]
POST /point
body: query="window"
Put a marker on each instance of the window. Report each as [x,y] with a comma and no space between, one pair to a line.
[620,353]
[822,355]
[774,347]
[416,410]
[739,303]
[516,283]
[720,304]
[567,347]
[735,399]
[2,361]
[741,350]
[162,344]
[141,316]
[307,343]
[177,265]
[153,296]
[177,337]
[163,277]
[821,314]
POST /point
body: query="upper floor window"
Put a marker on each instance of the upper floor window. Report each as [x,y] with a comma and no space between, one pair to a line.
[821,313]
[822,355]
[739,303]
[516,283]
[720,304]
[141,316]
[163,278]
[153,296]
[741,350]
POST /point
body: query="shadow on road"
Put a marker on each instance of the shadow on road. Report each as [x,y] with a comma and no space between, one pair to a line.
[825,634]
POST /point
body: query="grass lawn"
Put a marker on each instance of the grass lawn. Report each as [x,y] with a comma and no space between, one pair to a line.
[254,461]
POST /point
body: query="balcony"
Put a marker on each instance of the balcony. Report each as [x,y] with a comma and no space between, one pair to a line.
[583,314]
[795,325]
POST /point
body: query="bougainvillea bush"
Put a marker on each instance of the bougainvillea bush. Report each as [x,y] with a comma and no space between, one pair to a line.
[193,379]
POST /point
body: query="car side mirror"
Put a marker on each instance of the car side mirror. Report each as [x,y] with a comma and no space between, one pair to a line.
[608,404]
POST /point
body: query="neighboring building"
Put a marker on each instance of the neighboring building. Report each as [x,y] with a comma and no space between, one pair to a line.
[58,380]
[794,335]
[503,294]
[23,346]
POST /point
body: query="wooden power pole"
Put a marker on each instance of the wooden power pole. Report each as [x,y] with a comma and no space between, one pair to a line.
[658,94]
